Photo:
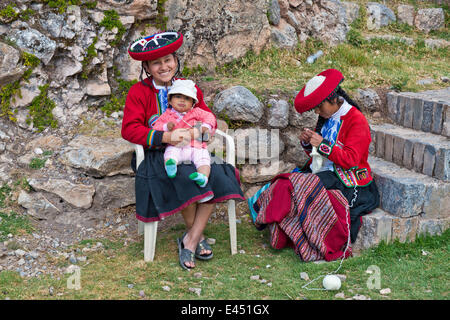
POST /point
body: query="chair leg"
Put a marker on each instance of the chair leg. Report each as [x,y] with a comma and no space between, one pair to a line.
[150,231]
[232,225]
[140,227]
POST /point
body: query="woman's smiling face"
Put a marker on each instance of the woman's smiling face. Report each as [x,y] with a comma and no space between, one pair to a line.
[162,69]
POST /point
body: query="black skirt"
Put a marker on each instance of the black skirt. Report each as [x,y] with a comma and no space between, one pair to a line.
[367,199]
[158,196]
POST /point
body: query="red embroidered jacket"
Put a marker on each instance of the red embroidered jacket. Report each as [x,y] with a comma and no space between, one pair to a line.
[351,150]
[141,104]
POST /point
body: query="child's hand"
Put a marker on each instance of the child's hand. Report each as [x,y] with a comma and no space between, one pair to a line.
[206,134]
[170,126]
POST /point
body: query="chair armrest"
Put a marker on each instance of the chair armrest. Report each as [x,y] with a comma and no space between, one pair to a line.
[231,151]
[139,154]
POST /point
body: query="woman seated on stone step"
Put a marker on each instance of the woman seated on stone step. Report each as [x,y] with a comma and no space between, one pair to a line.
[157,195]
[338,148]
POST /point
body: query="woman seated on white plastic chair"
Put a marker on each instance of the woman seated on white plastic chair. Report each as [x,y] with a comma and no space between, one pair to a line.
[157,195]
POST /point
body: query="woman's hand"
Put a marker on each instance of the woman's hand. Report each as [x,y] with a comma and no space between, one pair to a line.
[305,136]
[316,139]
[179,137]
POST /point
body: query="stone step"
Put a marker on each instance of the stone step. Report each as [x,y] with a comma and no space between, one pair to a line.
[427,111]
[422,152]
[405,193]
[380,226]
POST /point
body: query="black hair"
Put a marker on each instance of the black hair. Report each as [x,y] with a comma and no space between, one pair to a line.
[339,92]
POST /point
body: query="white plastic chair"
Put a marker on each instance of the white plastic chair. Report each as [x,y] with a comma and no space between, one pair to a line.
[149,229]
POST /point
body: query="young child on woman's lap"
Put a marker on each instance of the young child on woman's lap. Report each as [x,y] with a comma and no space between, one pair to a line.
[182,113]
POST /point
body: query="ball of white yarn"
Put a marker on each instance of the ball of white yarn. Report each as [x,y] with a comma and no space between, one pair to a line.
[331,282]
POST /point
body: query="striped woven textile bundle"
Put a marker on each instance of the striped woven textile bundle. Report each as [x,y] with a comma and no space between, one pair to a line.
[309,220]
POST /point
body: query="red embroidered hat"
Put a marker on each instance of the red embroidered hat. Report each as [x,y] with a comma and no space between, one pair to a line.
[155,46]
[317,89]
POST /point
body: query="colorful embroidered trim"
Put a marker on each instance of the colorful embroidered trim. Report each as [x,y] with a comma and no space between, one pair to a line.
[152,120]
[150,137]
[347,177]
[325,149]
[362,174]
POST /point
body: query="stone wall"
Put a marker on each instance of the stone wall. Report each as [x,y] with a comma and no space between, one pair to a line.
[82,50]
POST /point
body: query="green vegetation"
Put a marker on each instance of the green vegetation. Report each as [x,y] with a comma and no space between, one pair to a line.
[111,21]
[375,63]
[91,52]
[10,90]
[8,14]
[190,72]
[40,111]
[61,5]
[12,223]
[39,162]
[161,19]
[411,270]
[117,99]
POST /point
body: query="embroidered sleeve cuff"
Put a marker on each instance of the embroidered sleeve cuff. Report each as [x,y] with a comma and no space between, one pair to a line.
[325,148]
[154,138]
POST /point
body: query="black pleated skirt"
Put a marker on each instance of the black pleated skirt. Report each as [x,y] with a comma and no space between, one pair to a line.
[158,196]
[367,199]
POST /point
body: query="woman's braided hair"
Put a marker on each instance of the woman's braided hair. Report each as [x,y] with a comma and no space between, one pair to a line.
[339,92]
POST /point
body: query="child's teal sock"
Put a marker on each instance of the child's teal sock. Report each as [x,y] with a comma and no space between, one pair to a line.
[199,178]
[171,168]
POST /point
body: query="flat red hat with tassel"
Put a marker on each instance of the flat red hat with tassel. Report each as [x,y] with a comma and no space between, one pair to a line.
[317,90]
[155,46]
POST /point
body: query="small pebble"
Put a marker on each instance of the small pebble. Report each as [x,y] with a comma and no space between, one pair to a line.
[197,291]
[166,288]
[340,295]
[211,241]
[254,277]
[304,276]
[385,291]
[73,259]
[242,251]
[130,286]
[197,275]
[142,293]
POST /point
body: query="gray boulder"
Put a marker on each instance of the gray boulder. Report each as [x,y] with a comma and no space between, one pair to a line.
[238,103]
[10,71]
[32,41]
[429,19]
[99,157]
[379,16]
[278,114]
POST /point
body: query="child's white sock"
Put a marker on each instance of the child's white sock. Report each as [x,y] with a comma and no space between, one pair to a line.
[199,178]
[171,168]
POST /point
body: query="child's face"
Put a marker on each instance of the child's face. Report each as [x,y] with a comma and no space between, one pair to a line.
[180,102]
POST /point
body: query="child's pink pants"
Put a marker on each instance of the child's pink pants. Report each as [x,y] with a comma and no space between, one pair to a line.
[200,157]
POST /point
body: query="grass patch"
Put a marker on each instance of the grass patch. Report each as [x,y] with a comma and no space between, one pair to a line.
[119,272]
[375,63]
[14,224]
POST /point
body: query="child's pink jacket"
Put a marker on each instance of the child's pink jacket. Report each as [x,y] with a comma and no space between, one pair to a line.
[191,117]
